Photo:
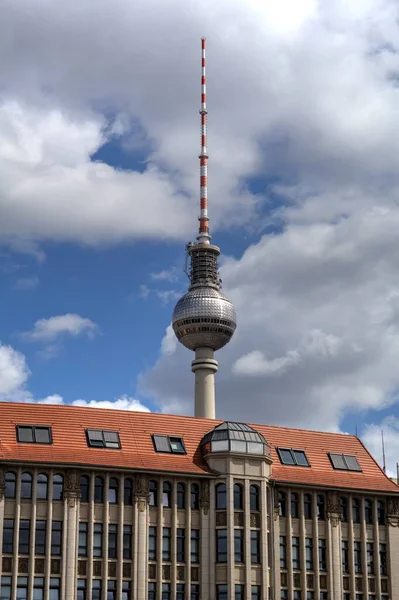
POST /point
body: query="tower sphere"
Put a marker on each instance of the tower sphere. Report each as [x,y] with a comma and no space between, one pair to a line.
[204,318]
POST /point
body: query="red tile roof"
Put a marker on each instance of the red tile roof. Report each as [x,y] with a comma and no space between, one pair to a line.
[135,428]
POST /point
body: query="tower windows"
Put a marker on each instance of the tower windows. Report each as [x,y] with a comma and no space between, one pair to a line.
[221,545]
[128,491]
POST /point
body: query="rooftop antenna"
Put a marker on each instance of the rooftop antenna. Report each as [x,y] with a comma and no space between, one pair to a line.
[397,473]
[356,430]
[203,234]
[384,466]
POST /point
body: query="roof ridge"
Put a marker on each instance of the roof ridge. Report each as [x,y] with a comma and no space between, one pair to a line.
[376,463]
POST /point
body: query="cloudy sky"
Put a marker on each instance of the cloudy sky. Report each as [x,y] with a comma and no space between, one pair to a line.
[99,141]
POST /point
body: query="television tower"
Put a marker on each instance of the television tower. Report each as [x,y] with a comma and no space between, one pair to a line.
[204,320]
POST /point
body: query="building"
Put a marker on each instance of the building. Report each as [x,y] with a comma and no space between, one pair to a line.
[113,505]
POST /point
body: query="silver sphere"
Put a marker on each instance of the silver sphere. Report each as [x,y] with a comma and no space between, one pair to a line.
[204,318]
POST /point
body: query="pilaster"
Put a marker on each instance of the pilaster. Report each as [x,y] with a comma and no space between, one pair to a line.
[393,539]
[334,523]
[2,501]
[142,497]
[71,499]
[207,566]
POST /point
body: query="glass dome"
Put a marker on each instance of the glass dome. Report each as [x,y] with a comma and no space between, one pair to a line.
[234,437]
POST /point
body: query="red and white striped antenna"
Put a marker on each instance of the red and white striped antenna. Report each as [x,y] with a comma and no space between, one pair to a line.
[203,237]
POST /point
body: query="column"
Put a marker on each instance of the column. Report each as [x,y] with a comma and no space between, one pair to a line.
[142,496]
[393,545]
[334,525]
[2,501]
[71,498]
[207,565]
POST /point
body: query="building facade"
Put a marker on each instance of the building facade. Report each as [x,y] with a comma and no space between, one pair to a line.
[106,505]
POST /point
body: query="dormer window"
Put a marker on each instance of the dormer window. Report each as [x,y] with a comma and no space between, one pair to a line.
[34,434]
[100,438]
[344,462]
[169,444]
[292,457]
[234,437]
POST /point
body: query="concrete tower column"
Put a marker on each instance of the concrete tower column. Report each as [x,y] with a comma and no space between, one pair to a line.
[141,495]
[204,366]
[71,499]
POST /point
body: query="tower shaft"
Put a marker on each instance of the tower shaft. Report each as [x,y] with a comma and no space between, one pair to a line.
[204,367]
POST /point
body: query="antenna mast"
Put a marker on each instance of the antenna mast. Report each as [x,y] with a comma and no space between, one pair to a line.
[384,466]
[203,236]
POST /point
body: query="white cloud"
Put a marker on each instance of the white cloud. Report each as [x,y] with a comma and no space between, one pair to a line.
[170,275]
[373,439]
[26,283]
[14,371]
[49,330]
[123,403]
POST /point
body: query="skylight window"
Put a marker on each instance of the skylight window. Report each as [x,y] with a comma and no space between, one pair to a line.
[344,462]
[292,457]
[34,434]
[100,438]
[169,444]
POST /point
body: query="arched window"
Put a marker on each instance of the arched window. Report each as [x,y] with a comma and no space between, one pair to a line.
[181,495]
[42,487]
[26,485]
[113,490]
[195,496]
[153,489]
[221,496]
[307,506]
[381,512]
[98,490]
[84,484]
[368,511]
[11,479]
[238,497]
[58,486]
[343,506]
[254,497]
[321,507]
[356,510]
[294,505]
[128,491]
[167,494]
[282,504]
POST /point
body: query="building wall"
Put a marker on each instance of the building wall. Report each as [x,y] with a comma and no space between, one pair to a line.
[52,569]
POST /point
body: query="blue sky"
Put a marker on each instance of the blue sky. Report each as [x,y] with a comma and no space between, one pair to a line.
[99,194]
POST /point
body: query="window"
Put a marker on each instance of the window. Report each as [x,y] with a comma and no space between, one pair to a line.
[284,595]
[195,496]
[356,510]
[166,539]
[238,496]
[152,590]
[239,592]
[83,532]
[255,547]
[381,512]
[167,494]
[383,559]
[294,506]
[26,486]
[6,588]
[42,487]
[40,537]
[81,589]
[97,540]
[96,591]
[112,540]
[98,490]
[370,558]
[22,588]
[54,592]
[126,590]
[152,543]
[309,554]
[165,591]
[180,591]
[345,556]
[221,545]
[58,487]
[99,438]
[8,536]
[344,462]
[368,511]
[310,595]
[357,551]
[359,596]
[239,545]
[153,489]
[256,592]
[221,496]
[84,484]
[291,457]
[283,552]
[307,506]
[10,482]
[127,541]
[321,507]
[128,491]
[282,504]
[181,495]
[254,497]
[195,591]
[111,589]
[323,595]
[180,544]
[169,444]
[195,545]
[24,536]
[34,434]
[343,507]
[221,592]
[113,490]
[322,555]
[295,553]
[297,595]
[38,588]
[56,538]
